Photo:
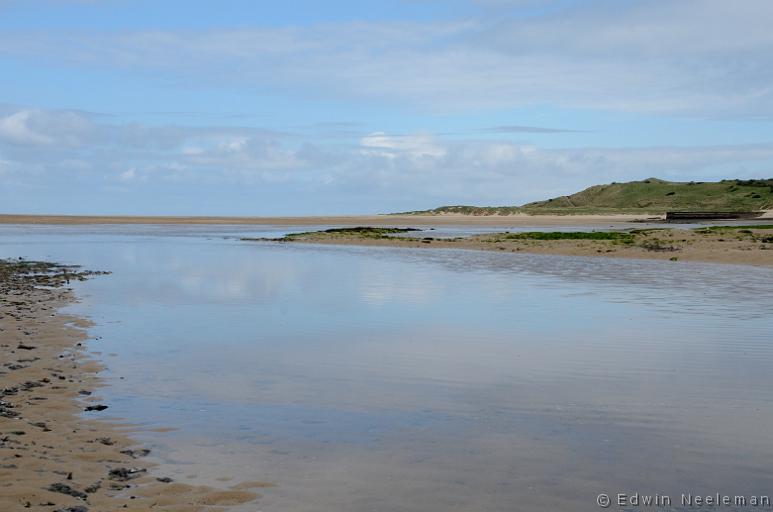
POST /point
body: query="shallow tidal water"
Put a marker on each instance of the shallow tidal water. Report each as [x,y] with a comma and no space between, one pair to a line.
[380,379]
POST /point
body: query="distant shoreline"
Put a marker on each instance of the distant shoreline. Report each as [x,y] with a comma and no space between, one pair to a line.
[345,220]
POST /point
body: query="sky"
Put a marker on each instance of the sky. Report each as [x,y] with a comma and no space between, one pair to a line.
[305,107]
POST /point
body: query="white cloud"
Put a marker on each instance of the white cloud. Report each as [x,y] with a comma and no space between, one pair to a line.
[128,175]
[707,57]
[415,147]
[192,151]
[16,128]
[37,127]
[418,170]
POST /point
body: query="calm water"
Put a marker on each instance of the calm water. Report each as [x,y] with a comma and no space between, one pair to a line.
[373,379]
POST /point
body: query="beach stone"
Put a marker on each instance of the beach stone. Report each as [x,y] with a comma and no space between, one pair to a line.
[124,474]
[135,454]
[66,489]
[93,487]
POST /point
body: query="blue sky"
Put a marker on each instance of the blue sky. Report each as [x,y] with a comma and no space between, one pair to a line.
[304,107]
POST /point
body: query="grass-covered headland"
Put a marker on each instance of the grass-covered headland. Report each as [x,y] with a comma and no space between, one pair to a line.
[650,196]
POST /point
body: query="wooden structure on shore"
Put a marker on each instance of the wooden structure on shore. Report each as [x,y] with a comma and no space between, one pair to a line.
[712,215]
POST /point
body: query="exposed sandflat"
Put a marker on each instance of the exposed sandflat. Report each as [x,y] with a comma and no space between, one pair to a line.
[733,246]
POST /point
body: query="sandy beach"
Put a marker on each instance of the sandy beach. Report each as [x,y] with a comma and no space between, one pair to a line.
[742,245]
[55,452]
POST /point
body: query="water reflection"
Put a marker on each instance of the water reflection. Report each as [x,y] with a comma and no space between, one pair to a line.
[375,379]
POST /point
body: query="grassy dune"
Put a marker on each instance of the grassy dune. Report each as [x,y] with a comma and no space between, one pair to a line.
[647,196]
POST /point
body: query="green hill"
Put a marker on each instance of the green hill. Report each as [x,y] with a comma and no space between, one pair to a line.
[647,196]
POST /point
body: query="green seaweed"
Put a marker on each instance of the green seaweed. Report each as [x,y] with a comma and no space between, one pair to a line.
[708,229]
[358,231]
[615,236]
[19,273]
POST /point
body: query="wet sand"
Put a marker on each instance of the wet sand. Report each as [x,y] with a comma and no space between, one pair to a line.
[343,220]
[55,454]
[733,246]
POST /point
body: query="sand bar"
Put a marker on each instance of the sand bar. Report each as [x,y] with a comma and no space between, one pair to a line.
[741,245]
